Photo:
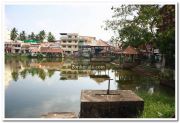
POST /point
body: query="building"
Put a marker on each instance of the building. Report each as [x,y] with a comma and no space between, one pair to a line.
[69,43]
[84,45]
[99,48]
[25,48]
[12,47]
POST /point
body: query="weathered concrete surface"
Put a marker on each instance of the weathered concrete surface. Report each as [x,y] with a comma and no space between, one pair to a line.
[60,115]
[119,104]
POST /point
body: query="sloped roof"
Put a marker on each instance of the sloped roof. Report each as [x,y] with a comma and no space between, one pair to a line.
[130,50]
[100,43]
[50,50]
[34,50]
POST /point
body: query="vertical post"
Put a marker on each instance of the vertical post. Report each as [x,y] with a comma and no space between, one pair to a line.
[108,86]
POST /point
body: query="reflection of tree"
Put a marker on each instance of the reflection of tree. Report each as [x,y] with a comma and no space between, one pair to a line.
[23,73]
[42,74]
[129,80]
[35,71]
[50,72]
[15,75]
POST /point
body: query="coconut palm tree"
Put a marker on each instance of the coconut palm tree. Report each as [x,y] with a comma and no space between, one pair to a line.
[13,34]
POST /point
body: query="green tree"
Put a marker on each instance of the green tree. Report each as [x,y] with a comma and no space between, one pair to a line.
[33,37]
[29,37]
[15,75]
[22,36]
[138,24]
[37,37]
[13,34]
[50,37]
[134,24]
[50,72]
[42,35]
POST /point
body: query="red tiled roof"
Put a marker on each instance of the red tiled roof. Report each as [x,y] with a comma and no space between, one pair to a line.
[34,50]
[50,50]
[100,43]
[130,50]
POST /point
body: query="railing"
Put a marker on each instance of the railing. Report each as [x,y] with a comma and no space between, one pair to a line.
[69,38]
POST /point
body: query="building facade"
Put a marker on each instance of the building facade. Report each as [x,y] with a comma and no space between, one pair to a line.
[69,43]
[84,45]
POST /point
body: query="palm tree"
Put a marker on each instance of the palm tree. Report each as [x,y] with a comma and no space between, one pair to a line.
[50,37]
[42,35]
[33,36]
[13,34]
[22,36]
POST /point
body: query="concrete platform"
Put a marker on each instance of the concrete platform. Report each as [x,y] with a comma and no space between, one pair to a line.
[60,115]
[118,104]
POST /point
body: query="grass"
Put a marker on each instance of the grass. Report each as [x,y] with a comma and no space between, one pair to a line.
[158,105]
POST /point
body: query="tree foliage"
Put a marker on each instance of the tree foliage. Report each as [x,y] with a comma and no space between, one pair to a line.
[22,36]
[33,37]
[134,24]
[50,37]
[42,35]
[13,34]
[137,25]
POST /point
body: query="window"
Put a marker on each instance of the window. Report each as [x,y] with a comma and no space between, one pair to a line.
[69,46]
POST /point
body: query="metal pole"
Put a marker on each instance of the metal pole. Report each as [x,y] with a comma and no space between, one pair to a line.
[109,86]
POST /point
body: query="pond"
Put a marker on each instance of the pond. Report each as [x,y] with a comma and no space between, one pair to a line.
[34,87]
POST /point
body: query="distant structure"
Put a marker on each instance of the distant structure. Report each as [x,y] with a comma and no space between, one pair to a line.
[69,43]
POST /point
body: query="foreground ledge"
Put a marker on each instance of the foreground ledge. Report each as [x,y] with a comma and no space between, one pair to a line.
[60,115]
[116,104]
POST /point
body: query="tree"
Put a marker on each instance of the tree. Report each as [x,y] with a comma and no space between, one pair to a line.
[22,36]
[42,35]
[29,37]
[166,35]
[140,24]
[33,36]
[51,38]
[134,24]
[13,34]
[37,37]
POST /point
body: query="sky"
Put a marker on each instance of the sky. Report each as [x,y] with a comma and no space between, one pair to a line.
[83,18]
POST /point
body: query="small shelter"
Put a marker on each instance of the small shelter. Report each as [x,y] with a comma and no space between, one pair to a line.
[98,46]
[130,53]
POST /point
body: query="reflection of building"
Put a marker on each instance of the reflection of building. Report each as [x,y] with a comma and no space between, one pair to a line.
[48,65]
[70,72]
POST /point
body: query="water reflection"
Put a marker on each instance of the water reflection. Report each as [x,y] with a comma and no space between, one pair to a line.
[38,86]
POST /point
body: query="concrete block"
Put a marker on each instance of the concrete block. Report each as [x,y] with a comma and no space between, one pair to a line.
[118,104]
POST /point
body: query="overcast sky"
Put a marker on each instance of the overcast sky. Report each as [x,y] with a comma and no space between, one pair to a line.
[83,18]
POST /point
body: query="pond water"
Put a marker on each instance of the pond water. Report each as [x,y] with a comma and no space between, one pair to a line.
[34,87]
